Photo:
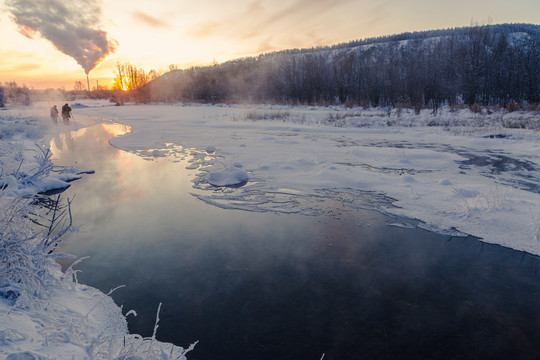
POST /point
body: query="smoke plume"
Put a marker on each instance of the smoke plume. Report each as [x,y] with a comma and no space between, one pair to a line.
[72,26]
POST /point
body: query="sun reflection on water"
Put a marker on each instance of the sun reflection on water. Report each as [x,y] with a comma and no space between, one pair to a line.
[116,129]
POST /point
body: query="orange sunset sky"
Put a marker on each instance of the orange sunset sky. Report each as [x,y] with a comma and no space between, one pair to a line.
[155,34]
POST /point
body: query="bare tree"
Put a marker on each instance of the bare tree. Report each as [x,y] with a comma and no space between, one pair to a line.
[15,94]
[120,78]
[79,86]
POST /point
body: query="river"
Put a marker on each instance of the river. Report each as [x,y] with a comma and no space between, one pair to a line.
[264,285]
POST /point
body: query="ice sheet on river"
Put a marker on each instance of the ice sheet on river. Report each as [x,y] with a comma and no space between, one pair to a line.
[468,173]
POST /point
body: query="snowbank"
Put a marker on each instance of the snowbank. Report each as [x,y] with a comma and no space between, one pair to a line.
[72,322]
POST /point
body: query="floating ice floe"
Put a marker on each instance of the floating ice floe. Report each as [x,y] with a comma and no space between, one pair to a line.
[231,176]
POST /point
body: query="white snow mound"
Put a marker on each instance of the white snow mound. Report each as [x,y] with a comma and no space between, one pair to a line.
[228,177]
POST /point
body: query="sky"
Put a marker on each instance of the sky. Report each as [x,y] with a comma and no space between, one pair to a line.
[54,43]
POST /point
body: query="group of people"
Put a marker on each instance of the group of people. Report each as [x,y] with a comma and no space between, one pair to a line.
[66,113]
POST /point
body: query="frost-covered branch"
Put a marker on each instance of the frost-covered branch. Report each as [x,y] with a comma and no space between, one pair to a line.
[27,264]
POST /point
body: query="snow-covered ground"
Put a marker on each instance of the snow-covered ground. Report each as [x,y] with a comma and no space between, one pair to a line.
[455,172]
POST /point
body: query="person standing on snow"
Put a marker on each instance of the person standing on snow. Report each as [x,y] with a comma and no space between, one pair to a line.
[54,114]
[66,113]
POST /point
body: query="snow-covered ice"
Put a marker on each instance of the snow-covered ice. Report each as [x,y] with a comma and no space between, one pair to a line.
[456,171]
[230,176]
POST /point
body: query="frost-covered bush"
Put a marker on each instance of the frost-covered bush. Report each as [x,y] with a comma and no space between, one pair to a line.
[25,179]
[15,94]
[26,261]
[27,265]
[11,124]
[135,347]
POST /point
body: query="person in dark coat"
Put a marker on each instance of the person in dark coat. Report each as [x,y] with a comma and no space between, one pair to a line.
[66,113]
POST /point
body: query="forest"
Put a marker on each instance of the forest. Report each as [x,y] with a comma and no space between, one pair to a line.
[484,65]
[477,66]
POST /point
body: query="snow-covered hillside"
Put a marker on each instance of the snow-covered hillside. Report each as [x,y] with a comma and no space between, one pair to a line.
[494,64]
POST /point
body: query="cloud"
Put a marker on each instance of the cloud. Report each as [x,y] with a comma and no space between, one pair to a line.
[19,67]
[257,19]
[207,29]
[149,20]
[71,26]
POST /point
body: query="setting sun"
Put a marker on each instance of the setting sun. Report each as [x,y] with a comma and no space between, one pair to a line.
[187,34]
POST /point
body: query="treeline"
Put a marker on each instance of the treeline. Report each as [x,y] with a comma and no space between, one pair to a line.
[487,65]
[12,93]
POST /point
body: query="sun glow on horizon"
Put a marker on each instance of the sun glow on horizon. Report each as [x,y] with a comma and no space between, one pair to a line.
[152,37]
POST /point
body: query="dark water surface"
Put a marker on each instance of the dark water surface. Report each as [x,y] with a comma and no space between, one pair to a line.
[271,286]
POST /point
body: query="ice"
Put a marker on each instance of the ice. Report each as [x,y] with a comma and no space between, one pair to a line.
[425,162]
[231,176]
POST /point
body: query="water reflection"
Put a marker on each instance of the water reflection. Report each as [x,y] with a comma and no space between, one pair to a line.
[116,129]
[268,286]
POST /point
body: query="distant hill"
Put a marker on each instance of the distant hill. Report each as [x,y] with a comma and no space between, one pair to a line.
[491,64]
[503,29]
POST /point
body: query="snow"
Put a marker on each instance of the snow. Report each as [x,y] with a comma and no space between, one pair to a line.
[231,176]
[454,172]
[61,326]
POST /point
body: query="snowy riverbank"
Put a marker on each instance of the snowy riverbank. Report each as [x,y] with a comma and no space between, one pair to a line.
[44,312]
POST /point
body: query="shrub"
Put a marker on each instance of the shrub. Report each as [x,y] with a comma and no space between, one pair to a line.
[513,106]
[476,108]
[26,264]
[532,107]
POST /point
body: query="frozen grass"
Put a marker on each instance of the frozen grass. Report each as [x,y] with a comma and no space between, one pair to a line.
[28,265]
[118,346]
[14,123]
[494,199]
[457,120]
[278,115]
